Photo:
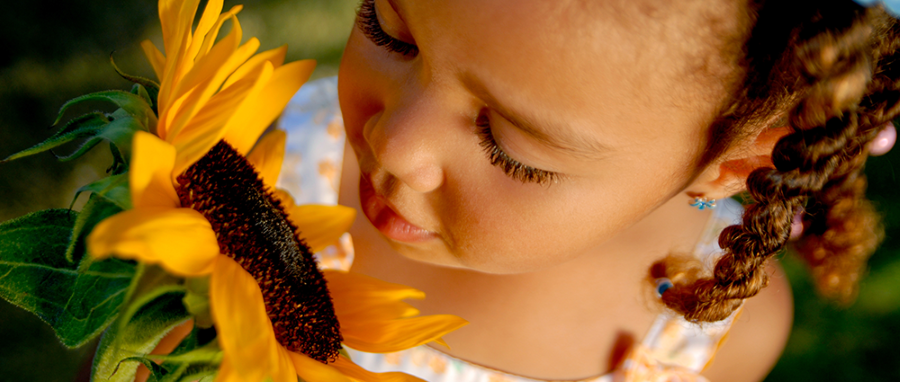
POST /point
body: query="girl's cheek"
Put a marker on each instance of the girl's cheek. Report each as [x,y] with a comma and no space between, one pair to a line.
[499,225]
[360,85]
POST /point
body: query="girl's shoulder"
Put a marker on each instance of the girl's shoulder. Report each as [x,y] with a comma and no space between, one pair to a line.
[758,336]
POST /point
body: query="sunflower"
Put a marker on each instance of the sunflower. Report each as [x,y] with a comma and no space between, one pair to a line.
[203,206]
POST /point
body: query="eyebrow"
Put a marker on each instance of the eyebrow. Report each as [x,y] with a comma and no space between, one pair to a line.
[565,138]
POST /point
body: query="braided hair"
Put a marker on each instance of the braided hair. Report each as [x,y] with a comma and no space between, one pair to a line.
[833,70]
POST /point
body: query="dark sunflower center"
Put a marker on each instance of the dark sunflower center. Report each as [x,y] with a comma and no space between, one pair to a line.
[253,229]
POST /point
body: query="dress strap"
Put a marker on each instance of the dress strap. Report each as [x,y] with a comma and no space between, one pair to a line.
[675,349]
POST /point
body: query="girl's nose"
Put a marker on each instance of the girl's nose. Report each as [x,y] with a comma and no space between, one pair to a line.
[408,140]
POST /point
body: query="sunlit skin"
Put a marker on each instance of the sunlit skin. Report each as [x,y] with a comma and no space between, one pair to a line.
[607,96]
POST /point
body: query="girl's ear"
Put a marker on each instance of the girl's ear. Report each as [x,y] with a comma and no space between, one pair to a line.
[728,175]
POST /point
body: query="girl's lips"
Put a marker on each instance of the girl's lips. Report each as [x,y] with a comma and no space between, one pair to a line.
[385,219]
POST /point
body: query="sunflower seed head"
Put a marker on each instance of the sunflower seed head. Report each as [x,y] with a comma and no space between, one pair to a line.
[253,229]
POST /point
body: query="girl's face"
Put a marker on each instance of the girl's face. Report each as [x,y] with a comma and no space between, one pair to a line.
[510,135]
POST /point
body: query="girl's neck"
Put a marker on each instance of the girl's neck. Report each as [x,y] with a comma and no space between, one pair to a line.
[563,322]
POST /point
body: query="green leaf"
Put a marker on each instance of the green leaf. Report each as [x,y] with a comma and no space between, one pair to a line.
[118,128]
[133,104]
[140,90]
[193,366]
[197,301]
[150,87]
[84,126]
[149,302]
[209,353]
[96,210]
[119,132]
[34,275]
[114,188]
[157,372]
[85,147]
[148,318]
[188,372]
[120,165]
[152,278]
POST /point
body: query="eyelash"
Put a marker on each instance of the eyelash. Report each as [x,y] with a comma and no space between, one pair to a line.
[367,21]
[513,168]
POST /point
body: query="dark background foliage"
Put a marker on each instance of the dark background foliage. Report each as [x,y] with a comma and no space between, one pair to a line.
[55,51]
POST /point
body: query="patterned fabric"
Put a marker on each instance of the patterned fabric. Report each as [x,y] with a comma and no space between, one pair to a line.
[673,350]
[313,155]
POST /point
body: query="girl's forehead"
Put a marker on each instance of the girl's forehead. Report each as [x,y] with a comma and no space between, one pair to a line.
[592,63]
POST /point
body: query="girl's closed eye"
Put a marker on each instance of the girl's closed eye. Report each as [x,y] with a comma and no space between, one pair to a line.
[513,168]
[369,23]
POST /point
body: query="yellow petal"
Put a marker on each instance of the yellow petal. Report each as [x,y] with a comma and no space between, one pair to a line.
[155,57]
[167,116]
[220,61]
[172,28]
[283,370]
[244,330]
[151,170]
[172,73]
[267,156]
[206,77]
[357,373]
[360,297]
[400,334]
[254,116]
[275,56]
[174,90]
[358,285]
[207,21]
[177,21]
[321,226]
[180,239]
[213,34]
[211,64]
[311,370]
[377,331]
[219,108]
[186,18]
[194,143]
[226,372]
[356,310]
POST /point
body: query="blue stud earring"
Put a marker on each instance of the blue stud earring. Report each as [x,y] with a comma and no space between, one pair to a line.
[703,203]
[662,285]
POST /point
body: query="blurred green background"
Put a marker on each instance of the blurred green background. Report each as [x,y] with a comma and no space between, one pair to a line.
[54,56]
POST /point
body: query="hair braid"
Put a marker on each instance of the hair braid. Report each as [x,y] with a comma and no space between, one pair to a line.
[838,74]
[841,226]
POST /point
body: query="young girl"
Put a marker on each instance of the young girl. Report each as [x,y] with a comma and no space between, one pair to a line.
[547,171]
